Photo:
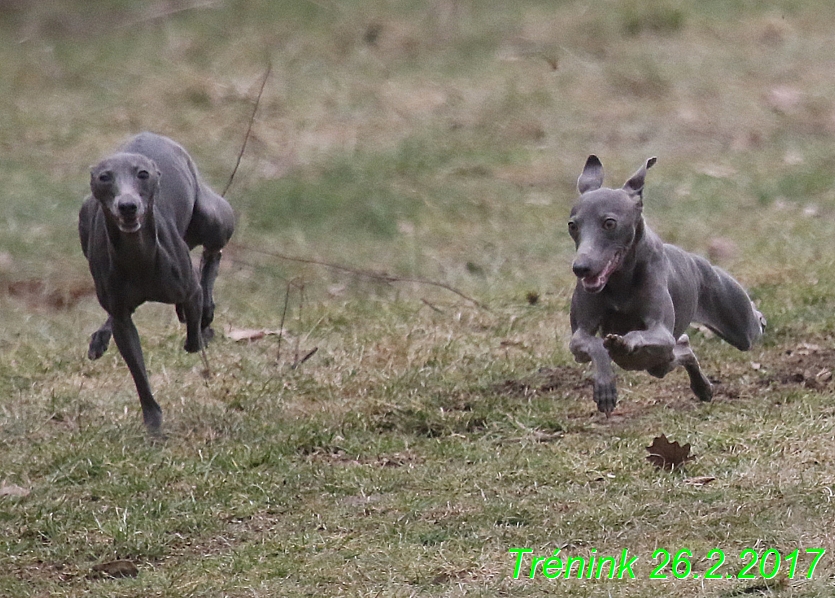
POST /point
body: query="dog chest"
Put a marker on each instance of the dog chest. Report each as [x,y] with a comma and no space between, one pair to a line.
[620,322]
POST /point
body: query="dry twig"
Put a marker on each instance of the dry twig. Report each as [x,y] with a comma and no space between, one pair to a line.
[307,356]
[248,129]
[283,316]
[381,276]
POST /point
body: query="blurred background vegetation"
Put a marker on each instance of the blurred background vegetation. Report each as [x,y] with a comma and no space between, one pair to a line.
[440,137]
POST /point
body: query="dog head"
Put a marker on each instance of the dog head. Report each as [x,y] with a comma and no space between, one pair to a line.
[125,185]
[604,223]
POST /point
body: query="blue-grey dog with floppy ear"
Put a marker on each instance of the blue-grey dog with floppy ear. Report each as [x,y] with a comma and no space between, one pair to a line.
[148,209]
[640,294]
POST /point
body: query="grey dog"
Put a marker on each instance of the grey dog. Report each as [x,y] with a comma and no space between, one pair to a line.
[148,209]
[641,294]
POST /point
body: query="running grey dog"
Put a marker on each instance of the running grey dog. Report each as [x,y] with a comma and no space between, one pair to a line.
[641,294]
[148,209]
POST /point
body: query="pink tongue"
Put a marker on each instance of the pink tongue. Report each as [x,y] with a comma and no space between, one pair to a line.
[593,282]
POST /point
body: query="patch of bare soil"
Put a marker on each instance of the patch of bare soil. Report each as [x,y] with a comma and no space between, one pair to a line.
[40,294]
[114,570]
[40,570]
[545,380]
[808,365]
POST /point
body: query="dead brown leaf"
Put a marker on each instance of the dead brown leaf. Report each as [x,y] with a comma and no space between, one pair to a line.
[12,490]
[249,334]
[700,480]
[668,455]
[532,297]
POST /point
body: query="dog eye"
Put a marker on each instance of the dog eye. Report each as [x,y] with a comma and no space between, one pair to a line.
[105,177]
[572,227]
[142,175]
[610,224]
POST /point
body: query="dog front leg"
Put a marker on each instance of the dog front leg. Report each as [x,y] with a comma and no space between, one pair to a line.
[651,349]
[586,347]
[127,340]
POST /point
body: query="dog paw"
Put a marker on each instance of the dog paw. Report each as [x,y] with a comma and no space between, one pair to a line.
[760,318]
[99,341]
[606,396]
[702,388]
[208,315]
[193,345]
[153,421]
[208,334]
[616,344]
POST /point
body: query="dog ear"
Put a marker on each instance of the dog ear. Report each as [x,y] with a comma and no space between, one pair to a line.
[155,188]
[635,185]
[592,176]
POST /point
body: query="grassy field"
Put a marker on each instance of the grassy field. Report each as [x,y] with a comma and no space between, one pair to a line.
[429,435]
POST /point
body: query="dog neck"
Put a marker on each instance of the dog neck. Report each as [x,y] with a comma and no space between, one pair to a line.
[635,259]
[132,252]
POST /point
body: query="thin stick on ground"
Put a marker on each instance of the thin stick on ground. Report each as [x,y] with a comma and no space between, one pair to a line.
[307,356]
[381,276]
[207,371]
[281,327]
[298,336]
[298,362]
[248,129]
[432,307]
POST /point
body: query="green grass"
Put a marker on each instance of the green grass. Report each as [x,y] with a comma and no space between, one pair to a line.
[427,436]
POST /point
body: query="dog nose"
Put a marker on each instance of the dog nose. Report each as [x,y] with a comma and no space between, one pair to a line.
[128,208]
[580,269]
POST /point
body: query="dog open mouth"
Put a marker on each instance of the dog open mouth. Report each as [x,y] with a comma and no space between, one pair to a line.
[595,283]
[129,225]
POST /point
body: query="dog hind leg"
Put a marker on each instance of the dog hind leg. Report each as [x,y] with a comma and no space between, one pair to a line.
[209,265]
[192,310]
[725,308]
[685,357]
[100,340]
[212,225]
